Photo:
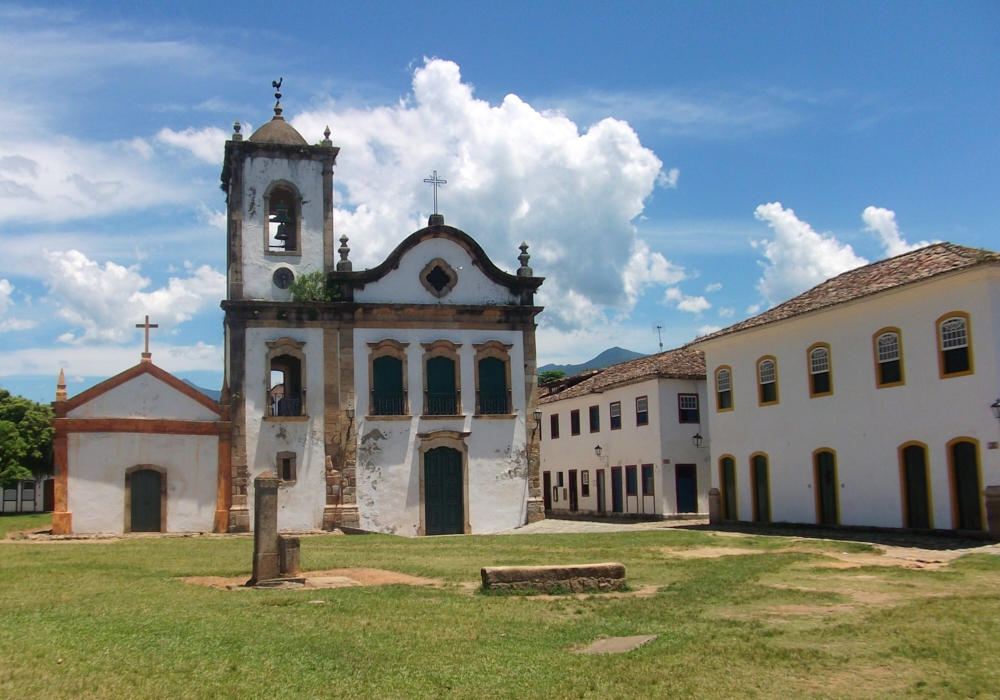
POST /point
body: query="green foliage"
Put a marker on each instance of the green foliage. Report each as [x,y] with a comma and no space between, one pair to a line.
[313,286]
[26,434]
[550,375]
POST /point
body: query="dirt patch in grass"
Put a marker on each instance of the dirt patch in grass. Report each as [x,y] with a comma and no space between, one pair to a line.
[329,578]
[636,592]
[710,552]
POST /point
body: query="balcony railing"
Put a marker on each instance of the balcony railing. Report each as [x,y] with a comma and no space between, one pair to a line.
[290,405]
[493,403]
[442,404]
[388,404]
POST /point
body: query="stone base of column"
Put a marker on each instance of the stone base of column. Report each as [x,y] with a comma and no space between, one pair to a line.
[714,506]
[536,509]
[341,516]
[62,523]
[239,520]
[221,523]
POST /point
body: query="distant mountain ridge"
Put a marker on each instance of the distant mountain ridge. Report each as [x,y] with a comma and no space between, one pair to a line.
[213,394]
[611,356]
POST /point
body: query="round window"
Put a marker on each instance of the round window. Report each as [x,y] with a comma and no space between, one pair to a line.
[283,278]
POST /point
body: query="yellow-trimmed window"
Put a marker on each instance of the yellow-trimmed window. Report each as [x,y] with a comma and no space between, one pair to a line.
[767,381]
[889,370]
[954,345]
[723,389]
[820,370]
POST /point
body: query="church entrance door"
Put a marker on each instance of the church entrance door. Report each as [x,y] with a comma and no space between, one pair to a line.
[443,498]
[146,494]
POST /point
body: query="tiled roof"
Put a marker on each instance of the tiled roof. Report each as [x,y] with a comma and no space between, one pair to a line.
[682,363]
[880,276]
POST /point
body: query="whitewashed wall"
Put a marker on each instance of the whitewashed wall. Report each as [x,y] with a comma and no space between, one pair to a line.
[388,467]
[664,438]
[97,464]
[300,505]
[863,424]
[258,267]
[403,283]
[144,396]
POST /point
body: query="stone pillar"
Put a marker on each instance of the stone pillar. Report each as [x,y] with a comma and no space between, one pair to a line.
[265,529]
[992,494]
[288,556]
[536,502]
[714,506]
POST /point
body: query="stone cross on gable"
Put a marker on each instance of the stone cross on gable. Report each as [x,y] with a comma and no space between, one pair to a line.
[147,356]
[435,182]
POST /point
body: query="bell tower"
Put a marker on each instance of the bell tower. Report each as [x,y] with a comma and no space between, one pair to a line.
[279,201]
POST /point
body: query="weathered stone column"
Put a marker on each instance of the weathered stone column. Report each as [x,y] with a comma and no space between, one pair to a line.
[714,506]
[265,529]
[992,494]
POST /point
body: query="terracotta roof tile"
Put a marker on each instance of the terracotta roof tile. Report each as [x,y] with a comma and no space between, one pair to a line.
[682,363]
[877,277]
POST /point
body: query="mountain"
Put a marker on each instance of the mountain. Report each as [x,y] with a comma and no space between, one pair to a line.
[213,394]
[611,356]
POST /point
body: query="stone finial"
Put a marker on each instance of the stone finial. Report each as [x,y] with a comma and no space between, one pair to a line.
[237,127]
[61,386]
[524,270]
[326,137]
[276,84]
[435,220]
[343,265]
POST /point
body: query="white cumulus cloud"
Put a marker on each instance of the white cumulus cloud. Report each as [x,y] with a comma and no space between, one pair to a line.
[798,257]
[883,222]
[205,144]
[691,304]
[10,324]
[714,287]
[107,301]
[514,173]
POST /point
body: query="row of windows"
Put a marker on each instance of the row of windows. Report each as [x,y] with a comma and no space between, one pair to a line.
[569,494]
[687,408]
[954,356]
[915,486]
[442,391]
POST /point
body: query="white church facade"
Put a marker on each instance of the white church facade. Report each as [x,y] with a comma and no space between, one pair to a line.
[866,400]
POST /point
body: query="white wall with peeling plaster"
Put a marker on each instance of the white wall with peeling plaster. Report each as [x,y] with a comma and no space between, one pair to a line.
[388,462]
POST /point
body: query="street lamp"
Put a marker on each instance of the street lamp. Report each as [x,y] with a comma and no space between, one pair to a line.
[995,407]
[697,439]
[598,451]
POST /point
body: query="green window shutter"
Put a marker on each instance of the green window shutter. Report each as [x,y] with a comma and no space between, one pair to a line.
[388,373]
[440,375]
[492,386]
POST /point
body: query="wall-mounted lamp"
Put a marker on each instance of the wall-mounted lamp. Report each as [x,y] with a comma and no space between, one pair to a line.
[598,451]
[697,439]
[537,415]
[995,407]
[350,415]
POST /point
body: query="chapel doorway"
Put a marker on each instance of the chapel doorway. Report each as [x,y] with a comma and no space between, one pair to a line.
[826,489]
[616,490]
[602,505]
[917,507]
[574,501]
[761,489]
[965,477]
[146,505]
[444,503]
[687,488]
[547,490]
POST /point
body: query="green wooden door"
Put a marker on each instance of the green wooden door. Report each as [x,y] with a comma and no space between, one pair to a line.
[826,485]
[918,511]
[761,490]
[145,507]
[729,509]
[444,503]
[963,458]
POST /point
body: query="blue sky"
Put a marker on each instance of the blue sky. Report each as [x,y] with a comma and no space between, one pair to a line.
[675,164]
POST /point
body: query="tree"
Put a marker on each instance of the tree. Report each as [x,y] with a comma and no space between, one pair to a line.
[550,375]
[313,286]
[26,434]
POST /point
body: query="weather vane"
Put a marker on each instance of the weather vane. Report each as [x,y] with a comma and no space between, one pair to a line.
[276,84]
[435,182]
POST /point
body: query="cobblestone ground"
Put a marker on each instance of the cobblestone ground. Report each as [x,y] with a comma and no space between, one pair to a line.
[561,527]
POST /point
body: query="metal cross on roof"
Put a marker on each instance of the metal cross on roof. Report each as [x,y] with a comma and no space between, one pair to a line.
[147,325]
[435,182]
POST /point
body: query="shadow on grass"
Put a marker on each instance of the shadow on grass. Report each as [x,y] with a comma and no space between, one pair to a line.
[918,539]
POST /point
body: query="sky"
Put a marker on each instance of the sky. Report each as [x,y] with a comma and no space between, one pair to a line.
[681,165]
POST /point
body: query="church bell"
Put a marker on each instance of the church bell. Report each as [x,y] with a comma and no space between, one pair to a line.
[283,233]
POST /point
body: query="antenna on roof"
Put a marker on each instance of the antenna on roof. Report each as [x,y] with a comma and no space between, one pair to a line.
[658,327]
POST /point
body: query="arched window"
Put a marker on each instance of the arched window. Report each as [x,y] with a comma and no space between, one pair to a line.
[387,378]
[954,345]
[286,363]
[493,378]
[826,486]
[723,389]
[442,381]
[760,488]
[820,371]
[767,381]
[283,223]
[889,358]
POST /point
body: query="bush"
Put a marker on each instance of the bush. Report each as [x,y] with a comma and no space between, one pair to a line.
[313,286]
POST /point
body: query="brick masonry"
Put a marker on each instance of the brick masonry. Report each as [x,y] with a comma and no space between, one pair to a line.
[579,578]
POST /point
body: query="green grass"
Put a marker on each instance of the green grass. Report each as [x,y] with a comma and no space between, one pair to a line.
[23,521]
[770,625]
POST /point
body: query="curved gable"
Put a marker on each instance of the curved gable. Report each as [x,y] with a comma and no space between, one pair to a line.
[143,391]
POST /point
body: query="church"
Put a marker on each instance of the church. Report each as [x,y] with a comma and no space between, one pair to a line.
[399,399]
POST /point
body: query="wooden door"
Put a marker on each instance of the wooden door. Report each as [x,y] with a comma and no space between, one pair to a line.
[574,502]
[49,495]
[547,488]
[444,504]
[687,488]
[146,485]
[616,490]
[965,468]
[602,505]
[826,489]
[918,508]
[761,490]
[730,510]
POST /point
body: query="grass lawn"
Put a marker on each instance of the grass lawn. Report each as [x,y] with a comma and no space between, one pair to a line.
[770,625]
